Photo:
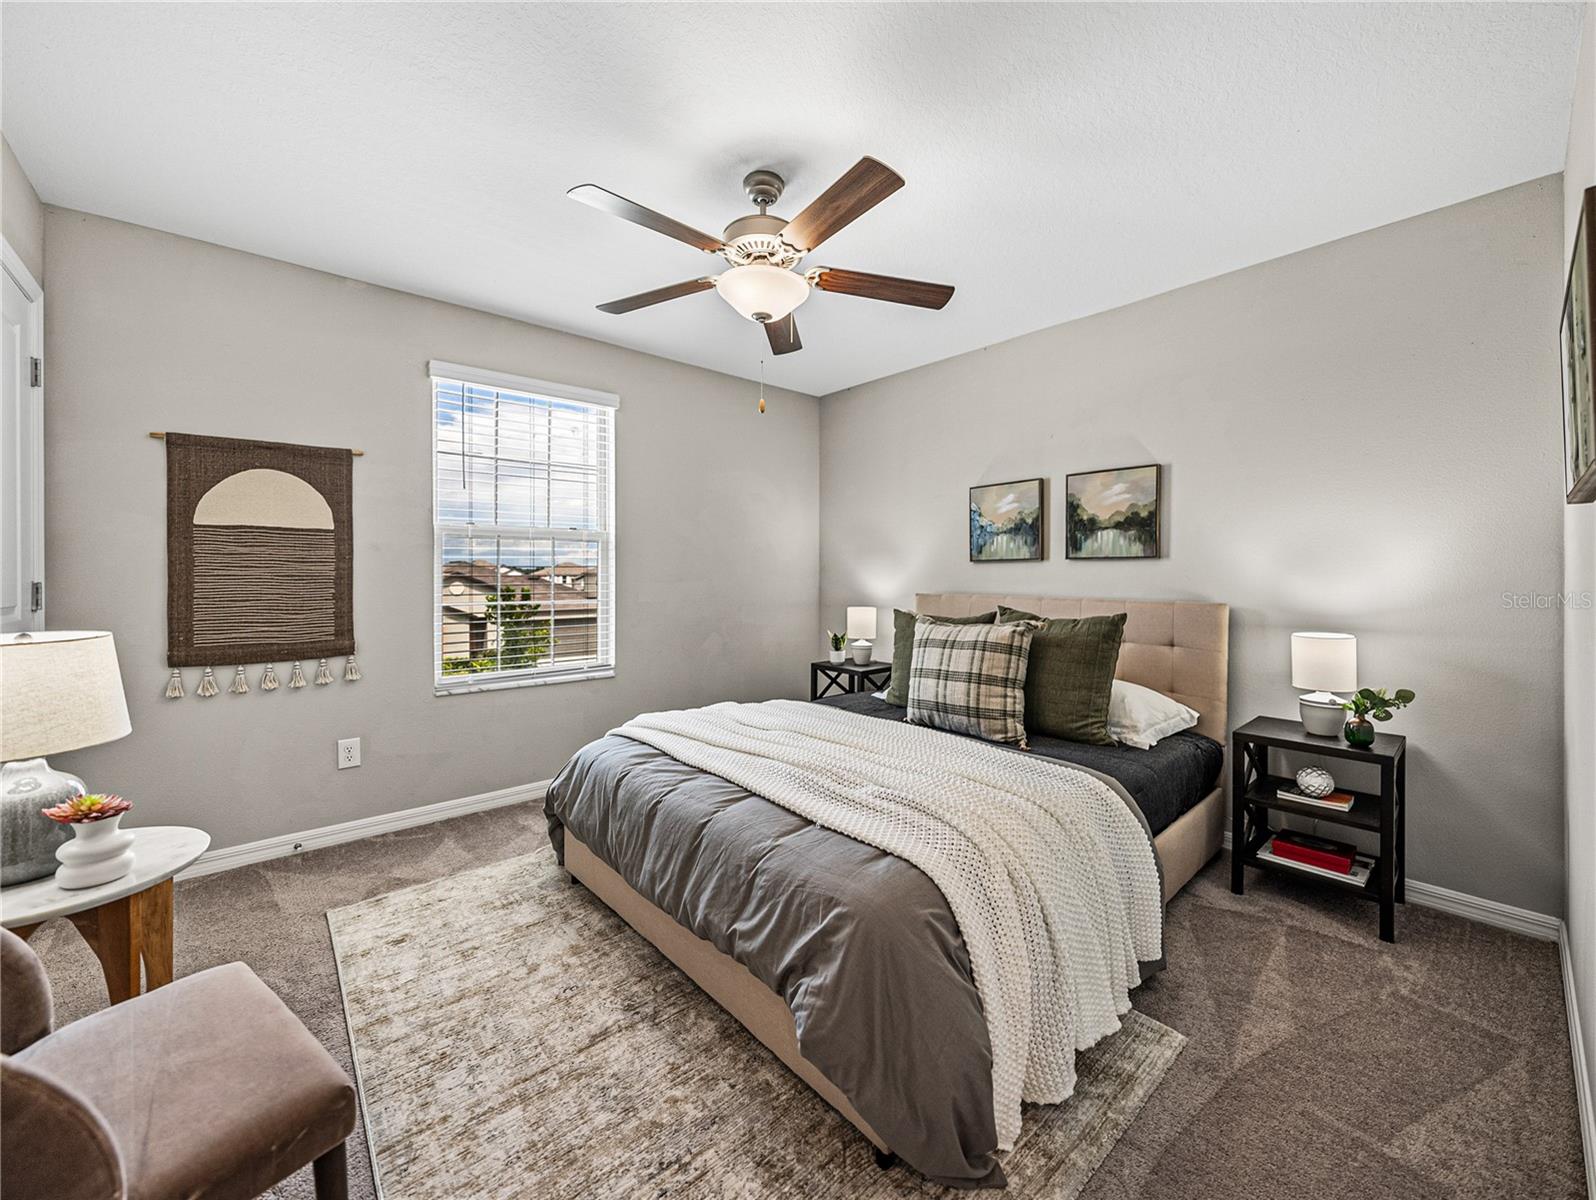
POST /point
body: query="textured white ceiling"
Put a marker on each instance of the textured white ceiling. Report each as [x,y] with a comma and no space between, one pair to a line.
[1061,159]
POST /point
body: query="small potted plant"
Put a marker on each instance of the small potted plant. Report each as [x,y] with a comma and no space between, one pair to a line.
[839,646]
[99,851]
[1367,703]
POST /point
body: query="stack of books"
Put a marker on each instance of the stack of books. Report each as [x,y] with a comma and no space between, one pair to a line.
[1321,856]
[1337,801]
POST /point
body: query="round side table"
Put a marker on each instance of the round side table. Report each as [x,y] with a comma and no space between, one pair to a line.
[127,922]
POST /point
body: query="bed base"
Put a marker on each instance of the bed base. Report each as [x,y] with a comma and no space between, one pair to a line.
[1183,849]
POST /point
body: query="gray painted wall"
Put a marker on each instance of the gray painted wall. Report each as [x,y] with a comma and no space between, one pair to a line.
[1579,623]
[716,506]
[1363,436]
[21,214]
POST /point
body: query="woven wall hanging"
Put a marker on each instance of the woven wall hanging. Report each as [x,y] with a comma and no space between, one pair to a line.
[259,554]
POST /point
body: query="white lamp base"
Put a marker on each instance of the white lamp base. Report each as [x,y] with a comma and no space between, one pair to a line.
[1322,714]
[862,650]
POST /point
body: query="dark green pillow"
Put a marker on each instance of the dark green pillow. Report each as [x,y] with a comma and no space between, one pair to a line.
[1071,675]
[903,647]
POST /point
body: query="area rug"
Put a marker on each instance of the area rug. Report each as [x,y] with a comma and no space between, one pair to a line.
[513,1037]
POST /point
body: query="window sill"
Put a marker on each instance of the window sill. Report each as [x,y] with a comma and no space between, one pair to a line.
[466,686]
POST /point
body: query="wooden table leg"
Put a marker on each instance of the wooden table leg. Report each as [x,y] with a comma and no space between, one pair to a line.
[155,931]
[113,932]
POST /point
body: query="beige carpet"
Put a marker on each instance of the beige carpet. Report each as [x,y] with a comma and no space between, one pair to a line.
[1321,1061]
[512,1037]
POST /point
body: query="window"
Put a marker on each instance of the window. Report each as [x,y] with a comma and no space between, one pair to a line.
[523,530]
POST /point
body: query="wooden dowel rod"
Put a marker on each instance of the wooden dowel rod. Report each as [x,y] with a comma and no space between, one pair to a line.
[162,437]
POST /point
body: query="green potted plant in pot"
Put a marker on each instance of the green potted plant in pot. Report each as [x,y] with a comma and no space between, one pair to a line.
[839,646]
[1371,703]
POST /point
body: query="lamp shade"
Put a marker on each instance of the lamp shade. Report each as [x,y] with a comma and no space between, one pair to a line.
[862,624]
[1324,662]
[59,692]
[762,292]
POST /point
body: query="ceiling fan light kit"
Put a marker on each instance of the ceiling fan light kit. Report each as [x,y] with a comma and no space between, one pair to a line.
[762,292]
[764,251]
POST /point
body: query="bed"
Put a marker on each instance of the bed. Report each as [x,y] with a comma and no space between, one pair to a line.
[745,896]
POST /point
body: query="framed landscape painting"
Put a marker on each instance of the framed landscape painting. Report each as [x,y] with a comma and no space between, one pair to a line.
[1006,521]
[1112,514]
[1579,369]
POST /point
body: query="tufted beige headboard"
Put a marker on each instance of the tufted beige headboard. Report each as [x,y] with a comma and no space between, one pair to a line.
[1179,648]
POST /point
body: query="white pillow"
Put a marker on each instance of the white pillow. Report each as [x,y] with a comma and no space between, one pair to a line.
[1141,717]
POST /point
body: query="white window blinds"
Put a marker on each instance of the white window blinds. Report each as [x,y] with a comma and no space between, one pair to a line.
[523,522]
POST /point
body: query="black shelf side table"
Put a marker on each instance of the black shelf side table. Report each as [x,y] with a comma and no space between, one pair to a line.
[827,678]
[1253,798]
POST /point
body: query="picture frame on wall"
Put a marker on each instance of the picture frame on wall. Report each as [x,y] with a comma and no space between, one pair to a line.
[1579,364]
[1113,513]
[1007,521]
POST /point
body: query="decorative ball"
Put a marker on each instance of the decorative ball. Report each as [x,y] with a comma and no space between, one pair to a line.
[1315,781]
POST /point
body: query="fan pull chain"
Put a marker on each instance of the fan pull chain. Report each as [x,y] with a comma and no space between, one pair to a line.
[761,384]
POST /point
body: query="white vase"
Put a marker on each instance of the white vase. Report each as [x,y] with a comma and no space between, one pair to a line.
[99,852]
[839,656]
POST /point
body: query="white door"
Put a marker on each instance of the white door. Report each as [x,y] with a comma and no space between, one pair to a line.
[21,452]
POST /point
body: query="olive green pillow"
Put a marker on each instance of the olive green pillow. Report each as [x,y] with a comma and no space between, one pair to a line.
[903,647]
[1071,675]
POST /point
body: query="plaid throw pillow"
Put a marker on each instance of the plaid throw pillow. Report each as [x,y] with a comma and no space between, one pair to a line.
[971,678]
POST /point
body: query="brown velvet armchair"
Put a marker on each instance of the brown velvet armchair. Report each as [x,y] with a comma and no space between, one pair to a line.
[206,1089]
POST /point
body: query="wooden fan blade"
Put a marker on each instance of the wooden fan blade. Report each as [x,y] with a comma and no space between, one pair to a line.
[657,296]
[783,335]
[882,287]
[866,184]
[627,210]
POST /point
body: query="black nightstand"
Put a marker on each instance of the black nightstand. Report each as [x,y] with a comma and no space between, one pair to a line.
[1253,798]
[826,677]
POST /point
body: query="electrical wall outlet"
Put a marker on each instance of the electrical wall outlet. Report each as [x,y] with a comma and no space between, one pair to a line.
[348,753]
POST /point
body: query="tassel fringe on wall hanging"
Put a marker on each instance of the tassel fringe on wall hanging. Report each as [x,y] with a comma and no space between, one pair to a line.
[208,687]
[269,681]
[239,513]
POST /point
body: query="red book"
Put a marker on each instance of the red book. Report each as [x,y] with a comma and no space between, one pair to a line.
[1315,852]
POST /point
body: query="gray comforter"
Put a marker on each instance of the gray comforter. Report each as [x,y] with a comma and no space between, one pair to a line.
[861,945]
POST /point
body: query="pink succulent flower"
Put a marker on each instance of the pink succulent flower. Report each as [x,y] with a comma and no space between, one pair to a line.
[87,808]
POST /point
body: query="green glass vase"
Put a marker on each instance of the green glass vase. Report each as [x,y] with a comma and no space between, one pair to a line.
[1359,731]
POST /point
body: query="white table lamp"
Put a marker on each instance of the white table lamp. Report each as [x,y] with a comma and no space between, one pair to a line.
[58,692]
[1324,664]
[862,629]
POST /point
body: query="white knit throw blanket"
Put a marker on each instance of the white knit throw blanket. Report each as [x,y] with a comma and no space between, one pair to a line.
[1050,876]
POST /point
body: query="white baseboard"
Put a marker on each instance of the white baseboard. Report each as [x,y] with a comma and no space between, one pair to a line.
[266,849]
[1582,1080]
[1486,912]
[1478,908]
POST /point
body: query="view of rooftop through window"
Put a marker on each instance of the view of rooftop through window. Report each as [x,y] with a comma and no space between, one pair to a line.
[521,487]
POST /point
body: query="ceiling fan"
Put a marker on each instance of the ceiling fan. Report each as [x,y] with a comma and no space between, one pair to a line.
[764,251]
